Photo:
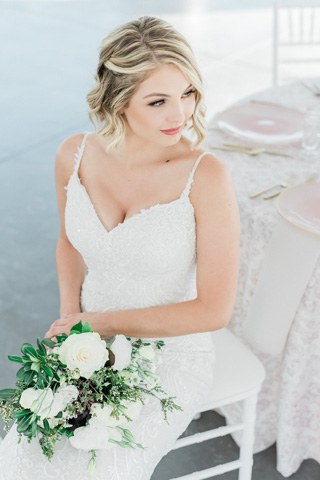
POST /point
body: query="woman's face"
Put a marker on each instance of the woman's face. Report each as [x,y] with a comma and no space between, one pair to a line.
[160,107]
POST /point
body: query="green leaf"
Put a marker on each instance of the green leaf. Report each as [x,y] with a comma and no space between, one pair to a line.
[86,328]
[59,415]
[41,347]
[47,370]
[27,348]
[29,377]
[41,381]
[7,393]
[23,423]
[35,367]
[21,374]
[33,359]
[26,360]
[69,433]
[46,425]
[15,359]
[34,428]
[56,376]
[49,343]
[61,337]
[77,328]
[21,413]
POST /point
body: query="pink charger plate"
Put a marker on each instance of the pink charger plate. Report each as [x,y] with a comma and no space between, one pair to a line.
[262,123]
[301,206]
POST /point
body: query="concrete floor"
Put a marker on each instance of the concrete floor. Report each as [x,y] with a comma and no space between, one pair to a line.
[48,57]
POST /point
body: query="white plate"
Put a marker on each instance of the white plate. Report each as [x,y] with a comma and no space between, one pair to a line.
[301,206]
[263,123]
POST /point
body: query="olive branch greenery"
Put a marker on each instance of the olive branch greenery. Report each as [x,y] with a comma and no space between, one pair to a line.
[41,369]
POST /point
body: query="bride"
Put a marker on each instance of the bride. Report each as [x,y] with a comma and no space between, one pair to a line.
[149,239]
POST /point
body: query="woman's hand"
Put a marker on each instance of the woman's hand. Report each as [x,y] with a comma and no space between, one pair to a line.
[68,320]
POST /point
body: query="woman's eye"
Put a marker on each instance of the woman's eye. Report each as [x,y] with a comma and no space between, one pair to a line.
[156,104]
[189,92]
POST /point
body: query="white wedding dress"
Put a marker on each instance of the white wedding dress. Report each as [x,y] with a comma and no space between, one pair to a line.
[147,260]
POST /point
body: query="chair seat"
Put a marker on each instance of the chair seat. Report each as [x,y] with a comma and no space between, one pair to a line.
[237,370]
[238,375]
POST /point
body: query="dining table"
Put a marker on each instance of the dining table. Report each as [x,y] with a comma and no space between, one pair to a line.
[288,340]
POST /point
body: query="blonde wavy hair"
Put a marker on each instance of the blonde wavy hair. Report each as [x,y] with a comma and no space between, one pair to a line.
[128,55]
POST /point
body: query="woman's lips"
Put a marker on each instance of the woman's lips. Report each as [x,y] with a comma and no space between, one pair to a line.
[171,131]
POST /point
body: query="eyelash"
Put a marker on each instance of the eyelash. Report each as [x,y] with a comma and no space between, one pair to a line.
[158,103]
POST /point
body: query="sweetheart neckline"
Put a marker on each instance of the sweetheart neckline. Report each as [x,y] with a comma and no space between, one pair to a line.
[137,214]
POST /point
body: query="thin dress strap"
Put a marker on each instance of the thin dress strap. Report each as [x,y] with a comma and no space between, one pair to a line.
[187,189]
[79,154]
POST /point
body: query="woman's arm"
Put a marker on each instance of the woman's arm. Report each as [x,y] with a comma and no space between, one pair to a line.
[217,220]
[70,265]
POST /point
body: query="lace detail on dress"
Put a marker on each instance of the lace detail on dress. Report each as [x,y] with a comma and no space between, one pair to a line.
[147,260]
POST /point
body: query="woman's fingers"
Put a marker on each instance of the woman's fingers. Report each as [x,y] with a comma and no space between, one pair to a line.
[63,325]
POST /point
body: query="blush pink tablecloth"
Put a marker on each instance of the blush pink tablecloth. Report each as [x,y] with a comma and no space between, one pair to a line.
[289,404]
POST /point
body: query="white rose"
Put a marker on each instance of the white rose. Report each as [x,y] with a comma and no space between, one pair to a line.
[94,436]
[69,393]
[57,405]
[146,352]
[133,409]
[27,398]
[85,351]
[122,349]
[103,413]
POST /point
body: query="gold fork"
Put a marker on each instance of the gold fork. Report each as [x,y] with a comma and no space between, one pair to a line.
[311,179]
[248,150]
[285,184]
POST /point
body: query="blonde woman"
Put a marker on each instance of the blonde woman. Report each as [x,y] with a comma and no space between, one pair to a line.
[149,238]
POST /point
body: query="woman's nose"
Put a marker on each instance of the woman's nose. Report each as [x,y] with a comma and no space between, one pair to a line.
[176,115]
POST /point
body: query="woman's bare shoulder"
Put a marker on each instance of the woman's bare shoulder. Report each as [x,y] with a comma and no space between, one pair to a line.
[212,178]
[65,156]
[69,147]
[212,168]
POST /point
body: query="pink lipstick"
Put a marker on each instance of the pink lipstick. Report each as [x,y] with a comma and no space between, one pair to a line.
[172,131]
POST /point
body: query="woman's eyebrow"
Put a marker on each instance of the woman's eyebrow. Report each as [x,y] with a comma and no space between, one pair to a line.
[163,94]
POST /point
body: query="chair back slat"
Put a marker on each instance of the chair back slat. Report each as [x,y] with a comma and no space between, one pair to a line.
[298,27]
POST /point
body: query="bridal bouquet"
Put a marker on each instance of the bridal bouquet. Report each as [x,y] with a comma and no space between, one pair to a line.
[84,388]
